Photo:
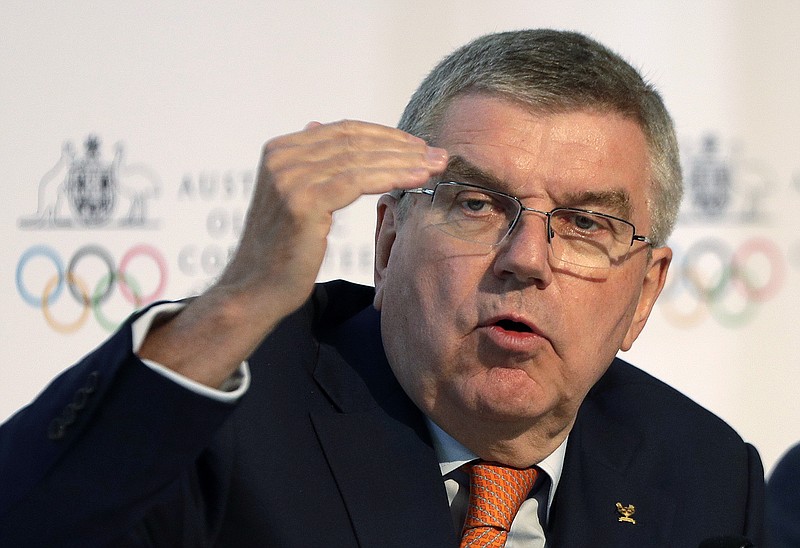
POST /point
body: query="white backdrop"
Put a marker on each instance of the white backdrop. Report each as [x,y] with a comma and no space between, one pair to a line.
[178,97]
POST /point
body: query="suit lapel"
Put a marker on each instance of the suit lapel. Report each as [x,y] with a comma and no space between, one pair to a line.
[389,480]
[606,464]
[378,446]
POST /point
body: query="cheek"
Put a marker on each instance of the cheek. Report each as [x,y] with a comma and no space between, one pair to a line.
[414,331]
[428,307]
[430,301]
[431,277]
[411,298]
[599,318]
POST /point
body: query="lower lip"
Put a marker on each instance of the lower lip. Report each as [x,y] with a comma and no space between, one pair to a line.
[515,341]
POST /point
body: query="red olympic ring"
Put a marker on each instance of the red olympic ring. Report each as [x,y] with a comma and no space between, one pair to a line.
[777,274]
[710,295]
[123,280]
[89,300]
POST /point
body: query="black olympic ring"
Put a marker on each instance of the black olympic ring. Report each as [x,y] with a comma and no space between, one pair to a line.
[89,299]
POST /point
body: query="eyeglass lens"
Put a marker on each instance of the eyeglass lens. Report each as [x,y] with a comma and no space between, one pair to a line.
[485,217]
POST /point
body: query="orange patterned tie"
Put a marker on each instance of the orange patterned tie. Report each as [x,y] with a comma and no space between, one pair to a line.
[495,495]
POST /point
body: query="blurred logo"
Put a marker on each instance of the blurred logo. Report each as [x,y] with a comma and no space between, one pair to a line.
[92,279]
[88,192]
[711,276]
[723,184]
[728,284]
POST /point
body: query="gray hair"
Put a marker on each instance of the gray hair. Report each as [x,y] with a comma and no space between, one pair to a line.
[556,71]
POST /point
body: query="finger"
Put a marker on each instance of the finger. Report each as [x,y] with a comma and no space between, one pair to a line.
[339,191]
[339,153]
[344,188]
[433,160]
[345,129]
[345,143]
[352,174]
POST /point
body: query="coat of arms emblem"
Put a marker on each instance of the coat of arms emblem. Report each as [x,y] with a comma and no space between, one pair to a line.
[92,186]
[88,192]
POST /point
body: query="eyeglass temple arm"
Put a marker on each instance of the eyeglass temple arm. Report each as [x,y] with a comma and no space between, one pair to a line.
[428,191]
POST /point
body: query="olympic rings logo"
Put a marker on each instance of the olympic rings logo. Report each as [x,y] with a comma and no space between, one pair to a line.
[90,299]
[713,279]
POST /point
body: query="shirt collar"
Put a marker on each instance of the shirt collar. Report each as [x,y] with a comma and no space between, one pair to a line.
[452,454]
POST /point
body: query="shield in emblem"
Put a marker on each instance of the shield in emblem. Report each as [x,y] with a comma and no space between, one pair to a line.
[710,180]
[92,187]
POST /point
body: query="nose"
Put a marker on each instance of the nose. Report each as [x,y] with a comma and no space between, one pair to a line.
[524,254]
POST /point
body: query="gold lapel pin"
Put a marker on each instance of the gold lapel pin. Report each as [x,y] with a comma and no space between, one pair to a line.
[625,513]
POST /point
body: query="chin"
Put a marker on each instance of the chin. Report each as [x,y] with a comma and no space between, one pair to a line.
[509,414]
[504,408]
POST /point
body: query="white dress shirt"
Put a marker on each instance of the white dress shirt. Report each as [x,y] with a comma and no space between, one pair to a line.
[230,391]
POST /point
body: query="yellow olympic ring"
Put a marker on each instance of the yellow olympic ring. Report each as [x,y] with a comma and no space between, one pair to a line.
[129,287]
[712,296]
[51,321]
[684,319]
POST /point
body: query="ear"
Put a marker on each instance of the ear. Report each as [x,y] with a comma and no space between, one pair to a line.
[653,283]
[385,233]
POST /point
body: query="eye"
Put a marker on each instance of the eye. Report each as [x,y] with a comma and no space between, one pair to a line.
[585,222]
[477,203]
[582,224]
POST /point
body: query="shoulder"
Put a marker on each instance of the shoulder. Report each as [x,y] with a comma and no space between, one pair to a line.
[783,500]
[648,406]
[648,442]
[788,467]
[641,424]
[336,301]
[785,477]
[329,305]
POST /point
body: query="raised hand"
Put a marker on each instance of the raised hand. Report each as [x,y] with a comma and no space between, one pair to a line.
[303,179]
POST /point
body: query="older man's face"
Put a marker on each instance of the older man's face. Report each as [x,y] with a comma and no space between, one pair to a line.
[504,335]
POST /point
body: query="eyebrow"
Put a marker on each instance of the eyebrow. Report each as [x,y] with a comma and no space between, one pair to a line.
[459,169]
[614,201]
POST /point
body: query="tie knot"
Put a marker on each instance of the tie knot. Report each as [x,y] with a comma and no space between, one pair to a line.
[495,494]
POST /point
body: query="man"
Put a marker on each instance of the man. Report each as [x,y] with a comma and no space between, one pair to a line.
[533,182]
[783,501]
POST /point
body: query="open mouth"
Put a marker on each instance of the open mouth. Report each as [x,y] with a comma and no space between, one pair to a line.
[510,325]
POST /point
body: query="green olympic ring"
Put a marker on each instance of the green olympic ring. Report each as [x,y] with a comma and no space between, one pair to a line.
[120,277]
[89,304]
[712,295]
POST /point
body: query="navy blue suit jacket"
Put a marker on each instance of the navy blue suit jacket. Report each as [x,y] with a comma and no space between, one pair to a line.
[783,501]
[325,449]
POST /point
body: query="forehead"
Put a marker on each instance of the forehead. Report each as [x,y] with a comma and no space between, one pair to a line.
[546,157]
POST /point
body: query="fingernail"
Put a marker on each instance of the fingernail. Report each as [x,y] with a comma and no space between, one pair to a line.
[436,155]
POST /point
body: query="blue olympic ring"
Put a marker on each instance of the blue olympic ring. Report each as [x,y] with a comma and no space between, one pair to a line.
[87,299]
[31,252]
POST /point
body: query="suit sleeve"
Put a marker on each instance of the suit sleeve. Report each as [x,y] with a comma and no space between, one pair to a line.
[93,453]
